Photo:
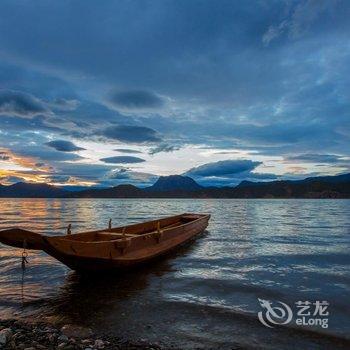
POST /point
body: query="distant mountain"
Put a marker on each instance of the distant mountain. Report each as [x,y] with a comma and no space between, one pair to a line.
[327,179]
[331,179]
[31,190]
[313,187]
[174,183]
[177,186]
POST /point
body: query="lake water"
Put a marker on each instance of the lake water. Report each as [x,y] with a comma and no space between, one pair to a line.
[206,295]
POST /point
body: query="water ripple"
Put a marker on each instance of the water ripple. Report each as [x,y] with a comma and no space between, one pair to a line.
[285,250]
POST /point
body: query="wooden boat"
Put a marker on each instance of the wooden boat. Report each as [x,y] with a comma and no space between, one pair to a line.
[112,248]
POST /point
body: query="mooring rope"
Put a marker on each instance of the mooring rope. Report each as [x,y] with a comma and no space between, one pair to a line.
[24,255]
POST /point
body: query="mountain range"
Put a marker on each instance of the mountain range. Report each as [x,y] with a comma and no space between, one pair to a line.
[178,186]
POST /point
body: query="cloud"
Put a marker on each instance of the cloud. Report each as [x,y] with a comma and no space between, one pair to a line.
[301,19]
[285,94]
[65,104]
[4,156]
[318,158]
[19,125]
[224,167]
[64,146]
[126,150]
[131,134]
[163,147]
[9,179]
[235,179]
[22,159]
[15,103]
[88,171]
[274,32]
[228,173]
[136,99]
[12,176]
[122,160]
[127,176]
[29,148]
[66,180]
[85,173]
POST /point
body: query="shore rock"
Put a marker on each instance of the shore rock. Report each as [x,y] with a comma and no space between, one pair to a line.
[99,344]
[20,335]
[5,336]
[74,331]
[62,338]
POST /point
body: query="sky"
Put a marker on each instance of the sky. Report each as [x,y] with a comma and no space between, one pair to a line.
[106,93]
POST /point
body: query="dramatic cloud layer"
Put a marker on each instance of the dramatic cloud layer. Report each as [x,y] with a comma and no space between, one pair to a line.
[228,172]
[225,167]
[195,85]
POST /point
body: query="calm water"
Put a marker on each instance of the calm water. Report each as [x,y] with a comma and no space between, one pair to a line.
[207,294]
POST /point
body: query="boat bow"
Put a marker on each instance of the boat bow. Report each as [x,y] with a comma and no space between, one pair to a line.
[20,238]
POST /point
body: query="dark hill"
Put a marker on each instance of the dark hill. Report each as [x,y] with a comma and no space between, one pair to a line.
[31,190]
[293,189]
[177,186]
[331,179]
[121,191]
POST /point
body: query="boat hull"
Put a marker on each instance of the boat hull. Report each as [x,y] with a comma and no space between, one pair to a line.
[90,264]
[20,238]
[138,257]
[118,248]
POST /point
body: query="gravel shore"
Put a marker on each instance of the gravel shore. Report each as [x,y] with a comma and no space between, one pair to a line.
[19,335]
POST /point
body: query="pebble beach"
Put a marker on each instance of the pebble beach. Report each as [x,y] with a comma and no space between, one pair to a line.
[19,335]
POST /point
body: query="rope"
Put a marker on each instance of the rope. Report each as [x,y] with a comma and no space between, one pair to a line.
[24,256]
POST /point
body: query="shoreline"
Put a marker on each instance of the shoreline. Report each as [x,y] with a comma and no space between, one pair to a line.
[31,335]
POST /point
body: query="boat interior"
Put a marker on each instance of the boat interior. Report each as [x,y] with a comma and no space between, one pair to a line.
[135,230]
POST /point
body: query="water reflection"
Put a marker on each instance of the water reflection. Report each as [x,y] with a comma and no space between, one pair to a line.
[88,299]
